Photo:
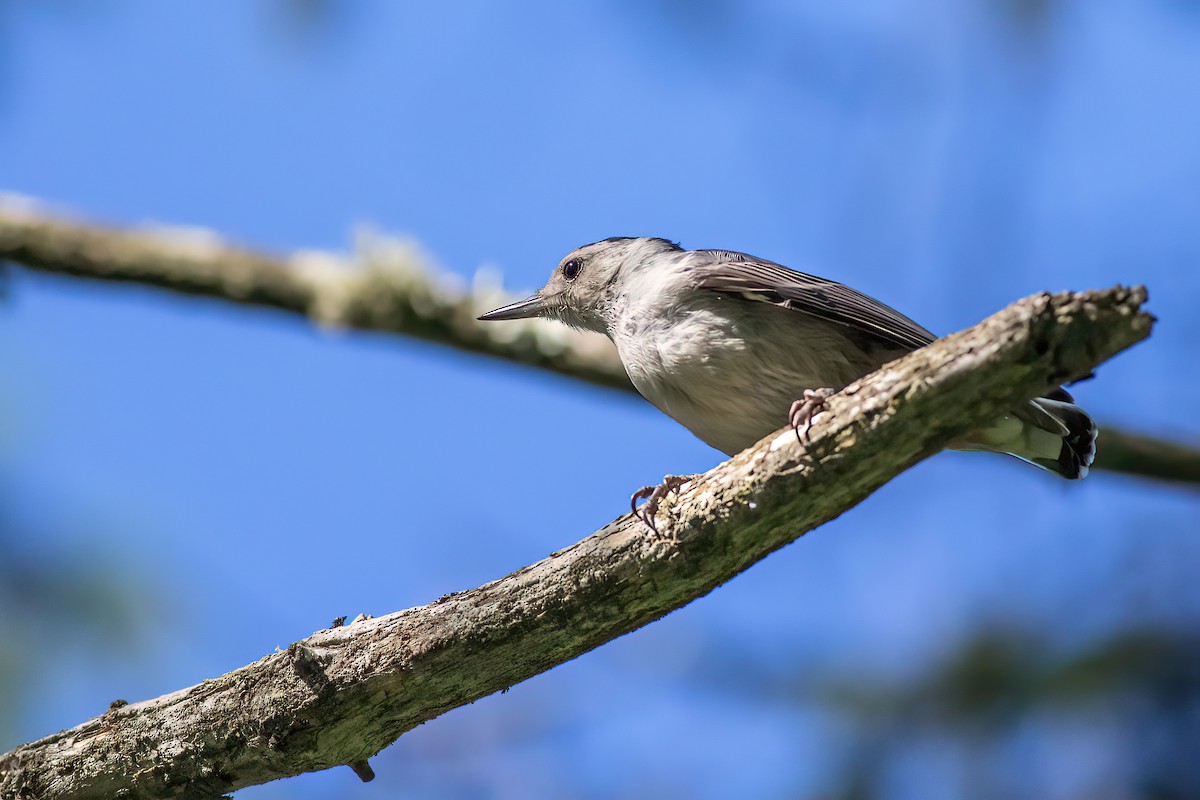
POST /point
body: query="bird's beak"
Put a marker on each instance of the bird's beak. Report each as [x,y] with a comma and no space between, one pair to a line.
[531,306]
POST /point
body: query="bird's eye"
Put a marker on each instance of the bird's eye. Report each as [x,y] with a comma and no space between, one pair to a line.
[571,269]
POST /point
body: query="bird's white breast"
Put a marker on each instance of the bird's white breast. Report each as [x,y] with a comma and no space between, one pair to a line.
[727,376]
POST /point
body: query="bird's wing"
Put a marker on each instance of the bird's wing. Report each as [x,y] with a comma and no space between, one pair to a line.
[754,279]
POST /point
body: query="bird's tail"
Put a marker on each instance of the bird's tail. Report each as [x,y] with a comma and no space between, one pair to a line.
[1049,432]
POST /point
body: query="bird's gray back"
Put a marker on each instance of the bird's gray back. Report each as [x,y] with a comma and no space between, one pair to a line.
[756,279]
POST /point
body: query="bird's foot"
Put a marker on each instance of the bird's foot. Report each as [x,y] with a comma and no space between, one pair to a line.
[653,495]
[803,411]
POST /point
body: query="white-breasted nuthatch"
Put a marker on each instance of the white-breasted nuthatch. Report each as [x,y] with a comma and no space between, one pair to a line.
[725,344]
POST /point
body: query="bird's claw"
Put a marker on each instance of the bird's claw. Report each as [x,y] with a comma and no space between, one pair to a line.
[803,411]
[653,495]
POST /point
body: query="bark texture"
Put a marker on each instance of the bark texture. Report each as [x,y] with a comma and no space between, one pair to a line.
[341,695]
[389,288]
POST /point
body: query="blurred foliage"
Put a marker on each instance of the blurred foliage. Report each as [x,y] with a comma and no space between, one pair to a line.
[1126,708]
[60,610]
[1139,689]
[305,26]
[315,14]
[999,676]
[1028,13]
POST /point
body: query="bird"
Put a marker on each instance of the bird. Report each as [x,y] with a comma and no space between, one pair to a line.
[731,346]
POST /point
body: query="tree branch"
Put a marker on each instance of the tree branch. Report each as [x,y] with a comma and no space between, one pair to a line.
[1148,457]
[387,286]
[341,695]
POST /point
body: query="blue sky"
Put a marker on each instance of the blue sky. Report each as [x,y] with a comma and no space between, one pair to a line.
[246,479]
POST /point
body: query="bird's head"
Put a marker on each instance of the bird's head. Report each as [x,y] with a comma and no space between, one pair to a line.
[584,287]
